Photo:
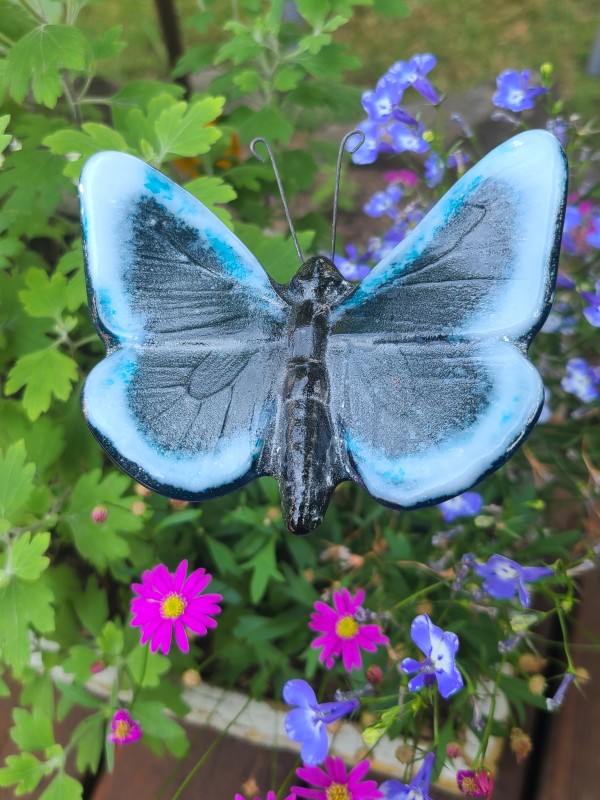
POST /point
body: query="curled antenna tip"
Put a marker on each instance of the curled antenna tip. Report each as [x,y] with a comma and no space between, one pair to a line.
[254,142]
[352,149]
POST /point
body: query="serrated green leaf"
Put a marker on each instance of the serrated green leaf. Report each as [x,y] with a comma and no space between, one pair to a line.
[287,78]
[276,253]
[23,604]
[23,770]
[44,374]
[111,640]
[313,11]
[45,295]
[211,191]
[102,543]
[27,559]
[32,730]
[248,80]
[108,44]
[4,137]
[14,21]
[155,721]
[139,94]
[16,480]
[63,787]
[269,118]
[79,662]
[40,56]
[222,555]
[92,138]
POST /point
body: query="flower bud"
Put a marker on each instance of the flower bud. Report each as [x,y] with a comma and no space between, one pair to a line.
[191,678]
[138,507]
[520,744]
[97,667]
[142,491]
[178,505]
[405,754]
[99,514]
[537,684]
[374,675]
[453,750]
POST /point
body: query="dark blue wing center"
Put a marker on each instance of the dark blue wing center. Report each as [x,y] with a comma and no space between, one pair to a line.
[452,279]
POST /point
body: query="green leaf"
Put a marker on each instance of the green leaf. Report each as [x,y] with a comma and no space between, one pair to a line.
[79,662]
[63,787]
[40,56]
[146,667]
[252,123]
[108,44]
[171,128]
[24,770]
[89,735]
[139,94]
[111,640]
[264,566]
[92,138]
[152,716]
[92,606]
[276,253]
[102,543]
[28,561]
[222,555]
[43,374]
[23,604]
[14,21]
[313,11]
[211,191]
[16,480]
[32,730]
[45,295]
[4,137]
[287,78]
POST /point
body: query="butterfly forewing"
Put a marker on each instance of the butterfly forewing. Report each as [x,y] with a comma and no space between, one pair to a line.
[195,331]
[433,389]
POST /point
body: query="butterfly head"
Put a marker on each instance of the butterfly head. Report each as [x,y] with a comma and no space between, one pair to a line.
[320,281]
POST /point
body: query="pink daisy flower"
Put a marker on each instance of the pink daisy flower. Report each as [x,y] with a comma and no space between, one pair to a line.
[123,729]
[270,796]
[337,783]
[169,602]
[341,633]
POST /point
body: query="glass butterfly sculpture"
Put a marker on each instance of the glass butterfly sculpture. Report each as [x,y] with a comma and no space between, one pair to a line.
[414,383]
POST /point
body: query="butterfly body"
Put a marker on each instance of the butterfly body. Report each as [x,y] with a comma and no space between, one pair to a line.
[414,383]
[311,461]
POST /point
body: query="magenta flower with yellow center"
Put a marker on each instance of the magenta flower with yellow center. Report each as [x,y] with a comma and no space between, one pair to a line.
[170,603]
[336,783]
[341,634]
[123,729]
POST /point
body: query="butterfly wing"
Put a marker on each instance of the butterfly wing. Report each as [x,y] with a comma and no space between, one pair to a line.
[194,330]
[430,383]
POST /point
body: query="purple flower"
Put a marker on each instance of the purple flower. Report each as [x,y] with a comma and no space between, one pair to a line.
[439,648]
[417,789]
[468,504]
[369,150]
[459,159]
[546,412]
[573,219]
[559,127]
[123,729]
[380,103]
[354,266]
[581,380]
[592,312]
[560,320]
[384,203]
[514,92]
[553,703]
[307,722]
[593,234]
[412,73]
[434,170]
[407,137]
[503,578]
[564,282]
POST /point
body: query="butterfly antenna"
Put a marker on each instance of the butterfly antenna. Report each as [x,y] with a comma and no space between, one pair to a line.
[338,172]
[260,140]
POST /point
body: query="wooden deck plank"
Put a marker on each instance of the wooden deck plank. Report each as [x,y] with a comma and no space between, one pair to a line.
[570,764]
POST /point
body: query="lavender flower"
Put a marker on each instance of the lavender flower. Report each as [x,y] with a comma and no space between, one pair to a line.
[380,103]
[413,72]
[439,648]
[593,234]
[581,380]
[369,150]
[573,219]
[384,203]
[553,703]
[503,578]
[407,138]
[417,789]
[353,267]
[307,722]
[592,312]
[434,170]
[514,92]
[468,504]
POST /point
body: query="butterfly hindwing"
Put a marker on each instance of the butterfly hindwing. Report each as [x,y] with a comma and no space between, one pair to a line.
[194,329]
[436,389]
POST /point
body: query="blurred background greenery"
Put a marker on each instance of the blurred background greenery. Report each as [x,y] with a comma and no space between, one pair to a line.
[473,40]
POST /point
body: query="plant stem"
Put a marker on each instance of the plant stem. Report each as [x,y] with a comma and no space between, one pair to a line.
[213,746]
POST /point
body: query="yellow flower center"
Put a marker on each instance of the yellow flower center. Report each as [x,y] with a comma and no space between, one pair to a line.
[337,791]
[468,784]
[122,729]
[346,628]
[172,606]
